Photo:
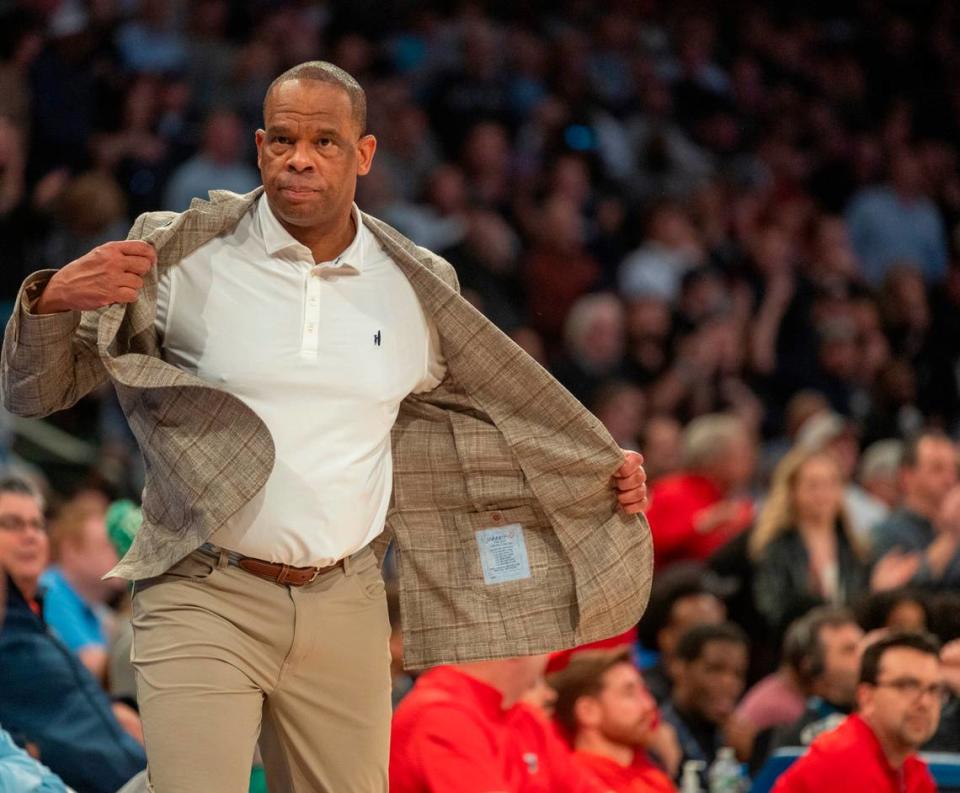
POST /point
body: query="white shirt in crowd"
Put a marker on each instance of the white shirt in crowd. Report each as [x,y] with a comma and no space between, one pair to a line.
[324,354]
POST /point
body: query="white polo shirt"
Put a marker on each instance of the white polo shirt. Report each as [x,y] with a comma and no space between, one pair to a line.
[323,353]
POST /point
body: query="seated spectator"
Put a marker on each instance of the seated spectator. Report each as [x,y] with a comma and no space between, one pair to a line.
[75,594]
[894,609]
[218,163]
[899,698]
[777,699]
[709,671]
[879,471]
[19,772]
[680,600]
[608,714]
[835,435]
[48,698]
[463,728]
[898,221]
[830,647]
[700,508]
[926,525]
[593,336]
[660,440]
[802,546]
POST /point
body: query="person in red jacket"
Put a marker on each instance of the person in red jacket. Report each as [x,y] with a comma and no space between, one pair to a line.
[605,708]
[462,730]
[694,512]
[899,698]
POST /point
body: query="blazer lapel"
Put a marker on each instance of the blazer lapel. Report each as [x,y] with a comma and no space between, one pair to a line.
[182,235]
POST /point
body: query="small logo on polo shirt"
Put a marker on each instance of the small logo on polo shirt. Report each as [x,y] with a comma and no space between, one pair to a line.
[376,338]
[532,762]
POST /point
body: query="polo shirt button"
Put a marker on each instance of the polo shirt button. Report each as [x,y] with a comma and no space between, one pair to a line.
[497,517]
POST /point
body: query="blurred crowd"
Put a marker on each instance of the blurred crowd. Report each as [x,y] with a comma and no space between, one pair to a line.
[731,229]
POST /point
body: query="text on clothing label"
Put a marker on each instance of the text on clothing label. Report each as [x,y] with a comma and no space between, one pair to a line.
[503,554]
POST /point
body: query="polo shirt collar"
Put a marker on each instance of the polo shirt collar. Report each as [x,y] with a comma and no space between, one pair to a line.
[277,240]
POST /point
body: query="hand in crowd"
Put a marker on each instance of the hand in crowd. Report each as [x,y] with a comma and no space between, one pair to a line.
[731,512]
[110,273]
[631,483]
[948,519]
[663,742]
[129,719]
[894,570]
[950,658]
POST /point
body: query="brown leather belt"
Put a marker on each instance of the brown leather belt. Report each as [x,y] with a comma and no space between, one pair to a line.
[284,573]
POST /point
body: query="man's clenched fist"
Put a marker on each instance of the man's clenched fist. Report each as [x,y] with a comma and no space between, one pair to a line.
[110,273]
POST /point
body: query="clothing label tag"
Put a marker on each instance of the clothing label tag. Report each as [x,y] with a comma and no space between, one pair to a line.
[503,554]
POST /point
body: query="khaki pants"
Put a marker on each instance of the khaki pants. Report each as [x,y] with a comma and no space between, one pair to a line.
[222,657]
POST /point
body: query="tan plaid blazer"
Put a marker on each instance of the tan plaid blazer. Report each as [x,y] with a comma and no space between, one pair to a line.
[499,442]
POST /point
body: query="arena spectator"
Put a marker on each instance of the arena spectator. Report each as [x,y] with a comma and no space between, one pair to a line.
[462,728]
[897,222]
[926,525]
[899,697]
[879,472]
[695,511]
[593,343]
[680,600]
[75,594]
[48,698]
[603,705]
[829,645]
[219,162]
[832,433]
[780,697]
[710,668]
[803,547]
[894,609]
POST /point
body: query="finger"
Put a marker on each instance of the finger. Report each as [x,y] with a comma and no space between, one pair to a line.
[136,248]
[126,295]
[130,281]
[632,496]
[632,481]
[634,509]
[136,264]
[630,456]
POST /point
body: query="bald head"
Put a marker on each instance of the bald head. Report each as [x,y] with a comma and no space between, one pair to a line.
[324,72]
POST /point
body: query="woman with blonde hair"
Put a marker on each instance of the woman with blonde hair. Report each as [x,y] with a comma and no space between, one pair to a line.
[803,548]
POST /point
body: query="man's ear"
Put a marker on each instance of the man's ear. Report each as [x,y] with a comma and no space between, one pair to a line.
[259,137]
[587,712]
[366,148]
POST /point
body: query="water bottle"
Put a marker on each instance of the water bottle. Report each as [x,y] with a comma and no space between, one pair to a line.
[725,775]
[691,776]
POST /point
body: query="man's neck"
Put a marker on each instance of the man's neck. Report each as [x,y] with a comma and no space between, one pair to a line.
[918,507]
[895,752]
[88,593]
[596,743]
[28,587]
[325,243]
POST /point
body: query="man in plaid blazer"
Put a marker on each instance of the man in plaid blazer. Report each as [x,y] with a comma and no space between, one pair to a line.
[515,518]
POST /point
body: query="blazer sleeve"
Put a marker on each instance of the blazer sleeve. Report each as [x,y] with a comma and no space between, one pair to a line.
[50,361]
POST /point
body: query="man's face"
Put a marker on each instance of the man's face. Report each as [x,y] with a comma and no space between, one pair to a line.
[92,557]
[841,663]
[311,153]
[935,472]
[903,708]
[626,709]
[711,684]
[24,546]
[688,612]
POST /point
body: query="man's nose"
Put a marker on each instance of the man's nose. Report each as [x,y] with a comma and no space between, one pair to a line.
[300,159]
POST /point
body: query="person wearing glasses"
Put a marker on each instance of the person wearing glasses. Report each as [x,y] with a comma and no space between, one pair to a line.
[899,698]
[48,699]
